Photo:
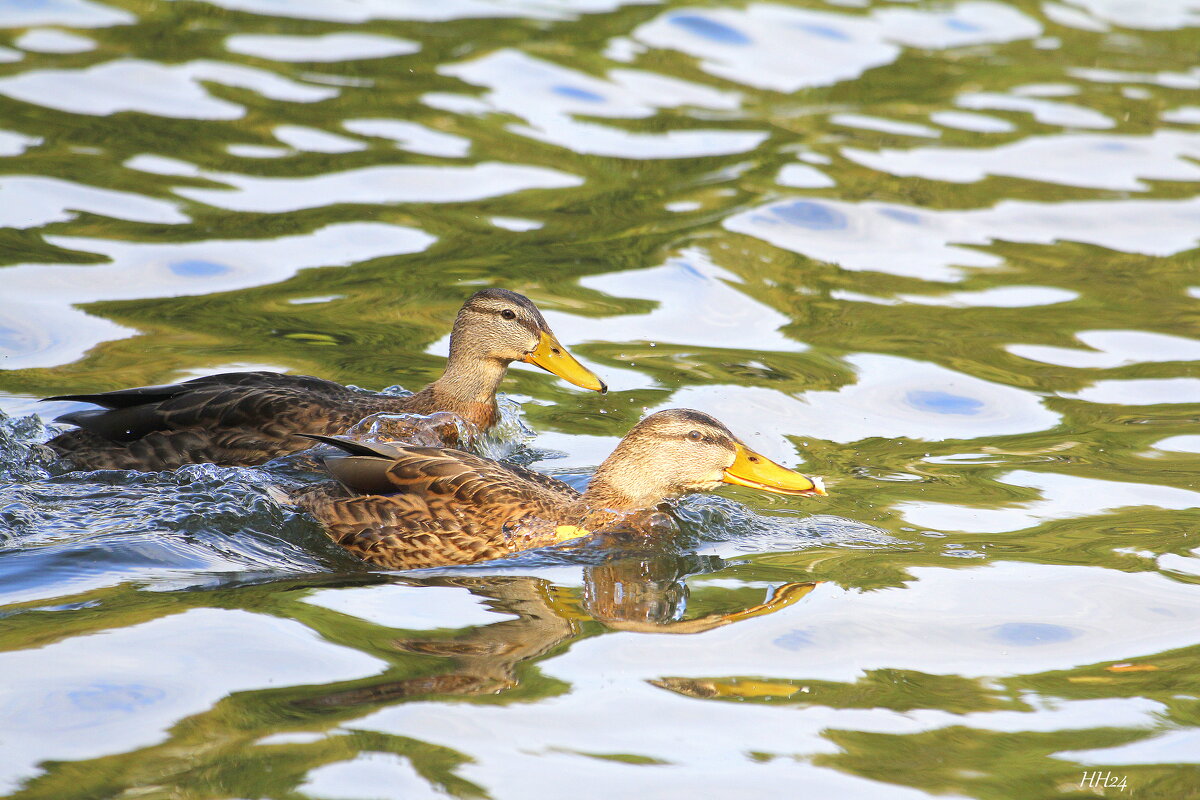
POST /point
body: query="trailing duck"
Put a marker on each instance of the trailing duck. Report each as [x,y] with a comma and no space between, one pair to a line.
[247,418]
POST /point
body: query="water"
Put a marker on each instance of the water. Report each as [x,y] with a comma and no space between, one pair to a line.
[942,254]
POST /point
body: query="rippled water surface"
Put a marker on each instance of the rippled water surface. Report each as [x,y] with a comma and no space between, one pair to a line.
[944,254]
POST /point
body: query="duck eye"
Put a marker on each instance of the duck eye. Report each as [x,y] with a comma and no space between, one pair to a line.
[694,436]
[508,313]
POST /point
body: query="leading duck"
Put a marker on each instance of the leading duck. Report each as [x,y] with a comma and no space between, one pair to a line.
[247,418]
[404,507]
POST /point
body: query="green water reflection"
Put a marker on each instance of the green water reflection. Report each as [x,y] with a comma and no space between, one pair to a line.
[943,255]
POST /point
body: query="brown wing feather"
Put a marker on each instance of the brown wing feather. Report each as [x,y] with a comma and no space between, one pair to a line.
[166,449]
[231,419]
[445,507]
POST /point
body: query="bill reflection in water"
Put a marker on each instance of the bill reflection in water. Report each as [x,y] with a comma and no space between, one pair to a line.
[640,593]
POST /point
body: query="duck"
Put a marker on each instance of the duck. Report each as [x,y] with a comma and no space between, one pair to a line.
[249,418]
[401,506]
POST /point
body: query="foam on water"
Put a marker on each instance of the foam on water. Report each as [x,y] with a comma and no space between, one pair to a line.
[71,532]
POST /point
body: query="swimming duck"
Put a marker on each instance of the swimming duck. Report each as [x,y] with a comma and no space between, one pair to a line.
[404,507]
[247,418]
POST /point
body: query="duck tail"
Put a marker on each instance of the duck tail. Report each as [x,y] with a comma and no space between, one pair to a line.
[349,446]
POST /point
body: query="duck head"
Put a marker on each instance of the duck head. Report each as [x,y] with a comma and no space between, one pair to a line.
[678,451]
[496,327]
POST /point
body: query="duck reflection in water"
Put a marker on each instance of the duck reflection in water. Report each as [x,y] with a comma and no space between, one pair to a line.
[645,593]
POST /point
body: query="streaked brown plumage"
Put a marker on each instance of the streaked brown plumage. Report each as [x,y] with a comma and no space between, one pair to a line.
[405,507]
[250,417]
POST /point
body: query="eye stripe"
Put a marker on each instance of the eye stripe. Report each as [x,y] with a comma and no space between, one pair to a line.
[716,439]
[528,325]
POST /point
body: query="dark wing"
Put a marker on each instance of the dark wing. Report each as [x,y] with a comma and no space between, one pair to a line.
[167,449]
[124,398]
[233,418]
[218,401]
[142,395]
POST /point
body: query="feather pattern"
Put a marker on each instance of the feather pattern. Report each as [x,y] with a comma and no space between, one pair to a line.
[247,418]
[426,506]
[230,419]
[403,506]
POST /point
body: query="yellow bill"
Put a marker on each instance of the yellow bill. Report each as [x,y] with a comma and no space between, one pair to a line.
[759,472]
[553,357]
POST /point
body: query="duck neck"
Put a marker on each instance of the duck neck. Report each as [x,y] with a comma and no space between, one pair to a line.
[470,379]
[602,494]
[621,485]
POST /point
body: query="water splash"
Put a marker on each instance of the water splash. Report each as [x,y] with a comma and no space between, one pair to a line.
[191,526]
[505,440]
[65,532]
[712,523]
[22,456]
